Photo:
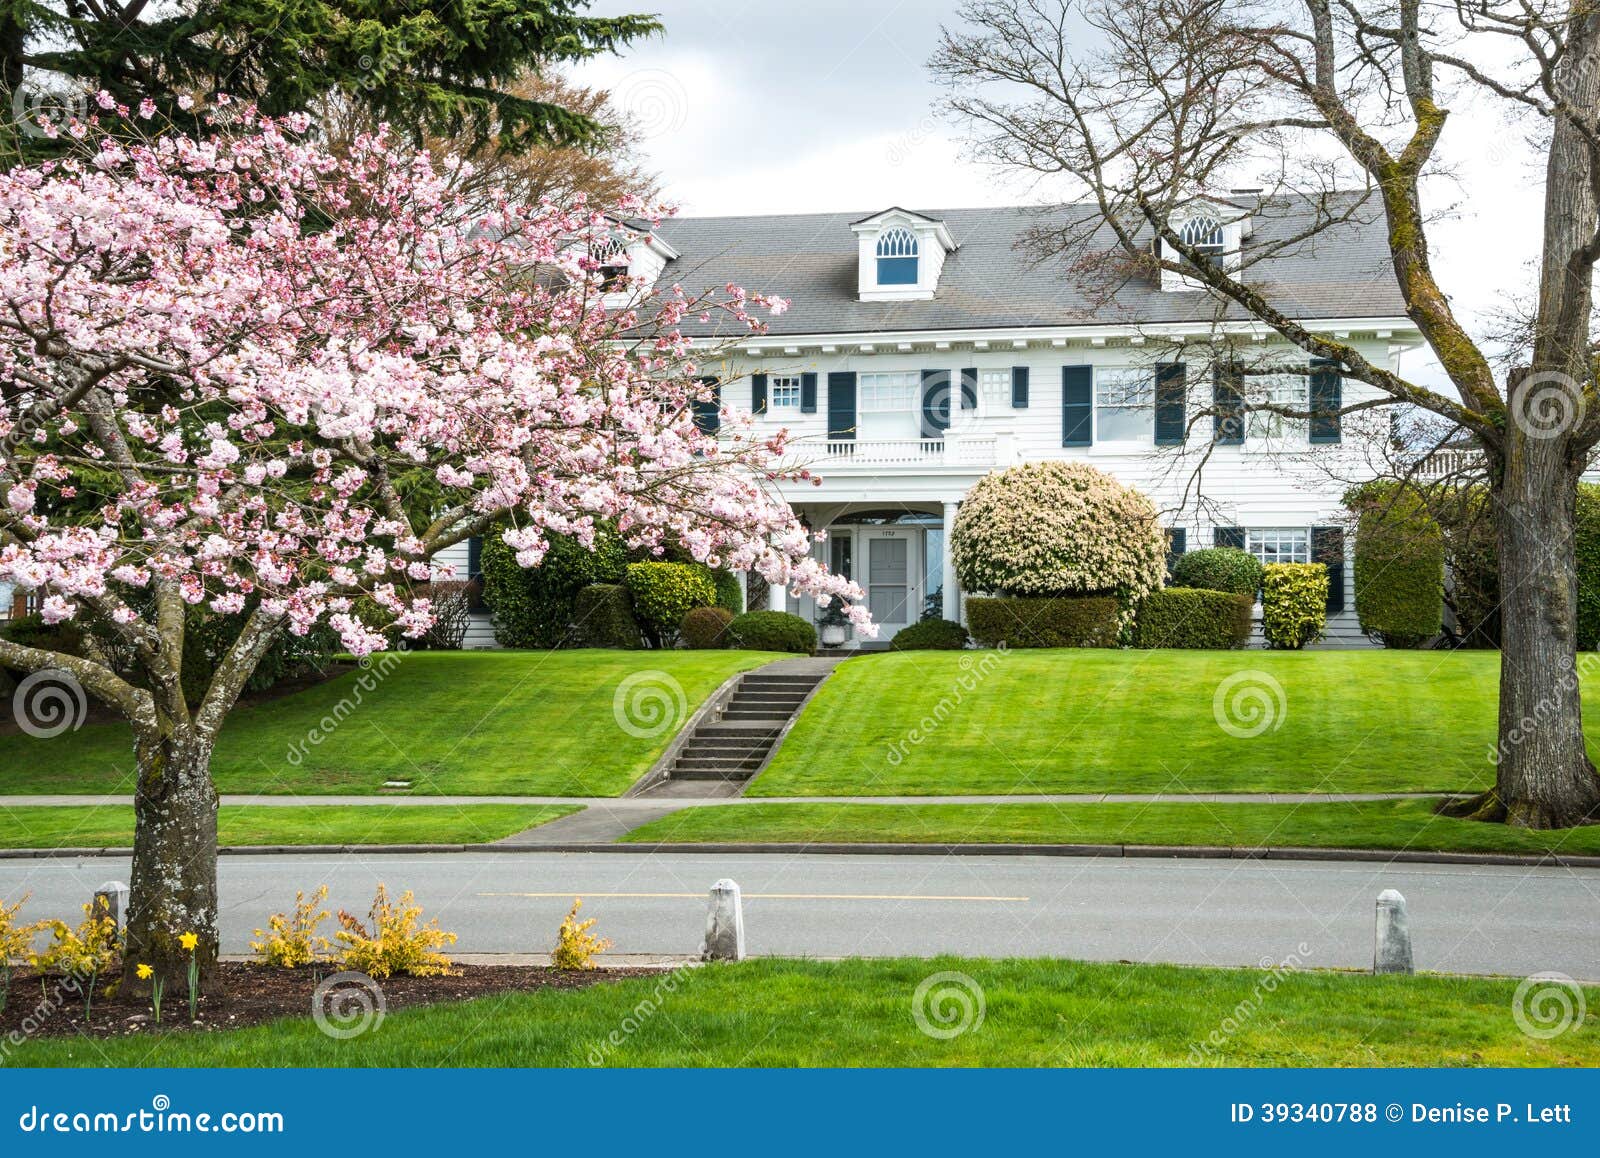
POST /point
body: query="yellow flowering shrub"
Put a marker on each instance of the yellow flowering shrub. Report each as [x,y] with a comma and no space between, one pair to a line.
[395,942]
[16,940]
[576,947]
[292,941]
[85,951]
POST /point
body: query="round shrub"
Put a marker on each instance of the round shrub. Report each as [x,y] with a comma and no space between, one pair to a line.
[663,593]
[603,614]
[1399,569]
[930,635]
[1294,604]
[1218,569]
[536,606]
[1058,529]
[706,628]
[1189,617]
[1089,621]
[772,631]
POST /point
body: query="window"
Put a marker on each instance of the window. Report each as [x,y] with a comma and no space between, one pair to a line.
[1204,235]
[994,388]
[612,259]
[897,257]
[783,392]
[884,393]
[1124,405]
[1291,390]
[1279,544]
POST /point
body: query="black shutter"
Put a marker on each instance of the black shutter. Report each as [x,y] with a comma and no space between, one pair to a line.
[1327,547]
[841,405]
[969,389]
[1177,543]
[1077,406]
[1228,537]
[935,403]
[808,393]
[1170,398]
[474,557]
[708,411]
[758,393]
[1327,396]
[1227,405]
[1019,387]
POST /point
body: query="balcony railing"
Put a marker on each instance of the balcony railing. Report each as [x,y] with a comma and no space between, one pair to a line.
[965,451]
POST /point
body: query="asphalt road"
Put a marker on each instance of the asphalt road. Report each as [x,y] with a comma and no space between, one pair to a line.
[1468,919]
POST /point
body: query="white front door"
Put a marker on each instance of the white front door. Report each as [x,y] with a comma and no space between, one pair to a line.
[893,567]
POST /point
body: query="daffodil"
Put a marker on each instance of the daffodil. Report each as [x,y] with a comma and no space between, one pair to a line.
[145,972]
[188,941]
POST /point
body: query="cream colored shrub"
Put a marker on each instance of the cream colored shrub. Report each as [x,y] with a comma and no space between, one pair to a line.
[1059,529]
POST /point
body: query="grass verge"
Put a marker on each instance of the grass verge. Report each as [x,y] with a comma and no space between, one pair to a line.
[1383,824]
[859,1012]
[111,826]
[951,723]
[529,723]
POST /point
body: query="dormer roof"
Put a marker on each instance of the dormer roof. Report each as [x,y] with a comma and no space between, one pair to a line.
[895,215]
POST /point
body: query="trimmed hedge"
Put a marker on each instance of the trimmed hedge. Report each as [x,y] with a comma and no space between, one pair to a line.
[604,613]
[1586,546]
[1218,569]
[1399,569]
[1020,621]
[930,635]
[1294,604]
[706,628]
[537,606]
[1191,618]
[730,592]
[772,631]
[663,593]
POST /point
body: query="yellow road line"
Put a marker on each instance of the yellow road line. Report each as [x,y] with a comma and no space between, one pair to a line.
[759,896]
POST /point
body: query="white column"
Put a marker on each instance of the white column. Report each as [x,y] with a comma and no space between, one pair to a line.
[952,594]
[777,595]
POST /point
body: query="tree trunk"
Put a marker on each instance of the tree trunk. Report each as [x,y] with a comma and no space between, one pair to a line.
[1543,775]
[173,890]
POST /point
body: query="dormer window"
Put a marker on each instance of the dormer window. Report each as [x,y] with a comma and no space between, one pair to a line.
[897,257]
[1204,235]
[612,262]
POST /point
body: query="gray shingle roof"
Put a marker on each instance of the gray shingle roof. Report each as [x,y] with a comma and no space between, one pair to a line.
[994,280]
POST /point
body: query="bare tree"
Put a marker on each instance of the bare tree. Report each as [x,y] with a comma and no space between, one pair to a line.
[1335,105]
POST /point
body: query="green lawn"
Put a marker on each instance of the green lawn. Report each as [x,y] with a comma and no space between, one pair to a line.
[1142,721]
[1386,824]
[471,723]
[111,826]
[800,1013]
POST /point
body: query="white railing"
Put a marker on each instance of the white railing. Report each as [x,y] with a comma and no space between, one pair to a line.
[979,451]
[1447,463]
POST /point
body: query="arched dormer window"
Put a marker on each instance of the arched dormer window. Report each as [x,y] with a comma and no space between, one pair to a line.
[1204,235]
[897,257]
[612,260]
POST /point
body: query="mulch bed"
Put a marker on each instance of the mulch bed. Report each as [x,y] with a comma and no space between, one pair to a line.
[257,994]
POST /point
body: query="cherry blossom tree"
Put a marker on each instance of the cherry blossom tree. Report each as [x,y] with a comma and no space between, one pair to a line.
[304,376]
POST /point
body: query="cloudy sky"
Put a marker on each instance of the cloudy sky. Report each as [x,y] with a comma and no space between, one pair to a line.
[769,107]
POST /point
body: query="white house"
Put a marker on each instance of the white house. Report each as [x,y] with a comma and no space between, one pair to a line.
[923,349]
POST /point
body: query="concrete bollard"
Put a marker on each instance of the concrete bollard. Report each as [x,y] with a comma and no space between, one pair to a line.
[111,900]
[724,924]
[1392,951]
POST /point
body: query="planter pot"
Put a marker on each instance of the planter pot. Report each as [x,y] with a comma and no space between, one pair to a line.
[834,635]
